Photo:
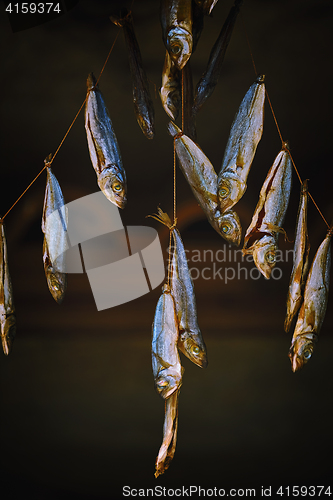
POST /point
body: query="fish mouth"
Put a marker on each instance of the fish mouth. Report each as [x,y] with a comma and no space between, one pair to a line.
[301,351]
[264,256]
[105,186]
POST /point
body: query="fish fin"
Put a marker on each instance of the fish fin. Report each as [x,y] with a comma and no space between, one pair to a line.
[163,218]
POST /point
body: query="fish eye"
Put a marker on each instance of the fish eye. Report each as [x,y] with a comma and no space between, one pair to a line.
[226,228]
[270,257]
[176,49]
[196,349]
[117,187]
[162,383]
[307,354]
[223,192]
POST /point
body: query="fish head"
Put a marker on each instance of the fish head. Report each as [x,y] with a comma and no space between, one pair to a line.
[179,45]
[264,255]
[8,328]
[113,186]
[301,351]
[229,193]
[196,353]
[229,226]
[168,381]
[57,283]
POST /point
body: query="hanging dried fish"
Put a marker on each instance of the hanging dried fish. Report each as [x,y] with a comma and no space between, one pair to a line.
[176,21]
[190,340]
[7,309]
[170,91]
[143,105]
[202,178]
[168,447]
[54,227]
[209,79]
[300,260]
[245,134]
[206,5]
[166,365]
[262,234]
[103,147]
[313,308]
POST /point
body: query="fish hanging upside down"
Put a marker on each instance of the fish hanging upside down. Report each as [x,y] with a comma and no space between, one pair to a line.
[143,105]
[54,227]
[7,309]
[262,234]
[313,308]
[190,341]
[300,260]
[166,365]
[103,147]
[245,134]
[176,20]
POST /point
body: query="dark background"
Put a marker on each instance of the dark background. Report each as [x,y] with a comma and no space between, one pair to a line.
[79,414]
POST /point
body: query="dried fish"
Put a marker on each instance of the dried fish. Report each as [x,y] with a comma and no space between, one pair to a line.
[190,340]
[202,178]
[166,365]
[313,308]
[262,234]
[7,309]
[103,147]
[143,105]
[54,227]
[170,91]
[209,79]
[176,21]
[168,447]
[245,134]
[206,5]
[300,260]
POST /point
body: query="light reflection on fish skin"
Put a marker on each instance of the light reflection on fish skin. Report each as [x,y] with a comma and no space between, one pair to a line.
[7,308]
[176,22]
[300,260]
[55,241]
[313,308]
[103,147]
[167,369]
[190,340]
[245,134]
[170,427]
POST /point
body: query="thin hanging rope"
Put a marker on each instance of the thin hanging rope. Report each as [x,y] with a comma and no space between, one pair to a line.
[278,128]
[63,140]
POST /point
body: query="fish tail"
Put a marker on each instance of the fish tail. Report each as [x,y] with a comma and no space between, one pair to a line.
[162,217]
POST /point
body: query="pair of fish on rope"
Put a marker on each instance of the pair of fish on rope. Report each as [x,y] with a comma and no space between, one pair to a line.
[308,289]
[175,327]
[217,194]
[182,24]
[111,178]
